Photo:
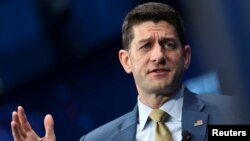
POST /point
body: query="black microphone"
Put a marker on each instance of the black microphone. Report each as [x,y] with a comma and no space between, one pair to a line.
[186,136]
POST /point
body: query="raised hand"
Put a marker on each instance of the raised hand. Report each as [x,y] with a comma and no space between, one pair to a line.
[22,131]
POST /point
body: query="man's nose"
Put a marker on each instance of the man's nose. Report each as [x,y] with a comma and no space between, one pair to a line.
[157,54]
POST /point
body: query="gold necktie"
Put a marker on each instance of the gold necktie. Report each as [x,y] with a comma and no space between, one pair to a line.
[162,133]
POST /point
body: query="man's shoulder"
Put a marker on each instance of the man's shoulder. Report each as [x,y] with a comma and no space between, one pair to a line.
[220,100]
[231,107]
[108,130]
[224,102]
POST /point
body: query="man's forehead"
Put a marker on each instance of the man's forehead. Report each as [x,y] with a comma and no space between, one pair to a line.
[160,35]
[151,25]
[149,28]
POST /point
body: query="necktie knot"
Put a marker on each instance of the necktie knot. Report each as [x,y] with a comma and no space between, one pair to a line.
[158,115]
[162,132]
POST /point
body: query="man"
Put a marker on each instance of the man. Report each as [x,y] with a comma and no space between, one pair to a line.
[156,54]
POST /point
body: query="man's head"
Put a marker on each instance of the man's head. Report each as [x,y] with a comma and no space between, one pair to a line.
[151,12]
[154,49]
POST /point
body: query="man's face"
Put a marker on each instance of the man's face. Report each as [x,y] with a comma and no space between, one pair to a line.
[156,58]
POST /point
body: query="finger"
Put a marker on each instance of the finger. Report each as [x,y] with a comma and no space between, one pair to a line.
[49,126]
[23,120]
[19,128]
[14,128]
[15,133]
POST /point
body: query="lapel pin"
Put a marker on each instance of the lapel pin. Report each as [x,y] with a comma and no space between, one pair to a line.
[198,122]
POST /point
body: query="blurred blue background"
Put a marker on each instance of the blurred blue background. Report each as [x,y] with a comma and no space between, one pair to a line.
[61,57]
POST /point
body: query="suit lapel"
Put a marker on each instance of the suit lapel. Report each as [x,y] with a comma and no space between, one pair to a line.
[193,120]
[126,131]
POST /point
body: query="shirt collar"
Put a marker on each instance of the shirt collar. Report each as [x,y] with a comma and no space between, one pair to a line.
[173,107]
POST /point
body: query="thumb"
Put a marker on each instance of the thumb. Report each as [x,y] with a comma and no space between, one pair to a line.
[49,127]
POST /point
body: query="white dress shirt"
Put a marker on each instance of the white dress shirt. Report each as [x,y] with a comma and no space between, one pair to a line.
[146,128]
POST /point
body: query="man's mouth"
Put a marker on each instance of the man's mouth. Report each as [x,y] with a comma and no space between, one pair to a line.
[159,70]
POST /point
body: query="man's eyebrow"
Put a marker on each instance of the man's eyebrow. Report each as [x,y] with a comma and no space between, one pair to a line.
[144,40]
[163,39]
[168,39]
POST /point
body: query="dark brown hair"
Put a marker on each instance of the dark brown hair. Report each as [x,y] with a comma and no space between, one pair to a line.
[151,11]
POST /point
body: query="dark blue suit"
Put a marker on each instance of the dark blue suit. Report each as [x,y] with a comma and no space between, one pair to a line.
[208,109]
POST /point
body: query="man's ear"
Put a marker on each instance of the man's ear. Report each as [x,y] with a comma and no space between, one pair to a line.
[187,56]
[125,60]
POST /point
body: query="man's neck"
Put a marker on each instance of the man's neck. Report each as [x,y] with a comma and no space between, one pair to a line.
[154,101]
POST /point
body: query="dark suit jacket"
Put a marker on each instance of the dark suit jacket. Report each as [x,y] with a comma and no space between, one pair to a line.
[205,108]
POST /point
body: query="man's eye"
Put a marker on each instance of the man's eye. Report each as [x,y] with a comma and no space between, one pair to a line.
[169,45]
[148,45]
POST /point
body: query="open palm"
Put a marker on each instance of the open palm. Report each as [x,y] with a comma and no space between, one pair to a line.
[22,131]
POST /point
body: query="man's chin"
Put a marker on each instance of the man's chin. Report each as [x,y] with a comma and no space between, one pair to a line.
[164,89]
